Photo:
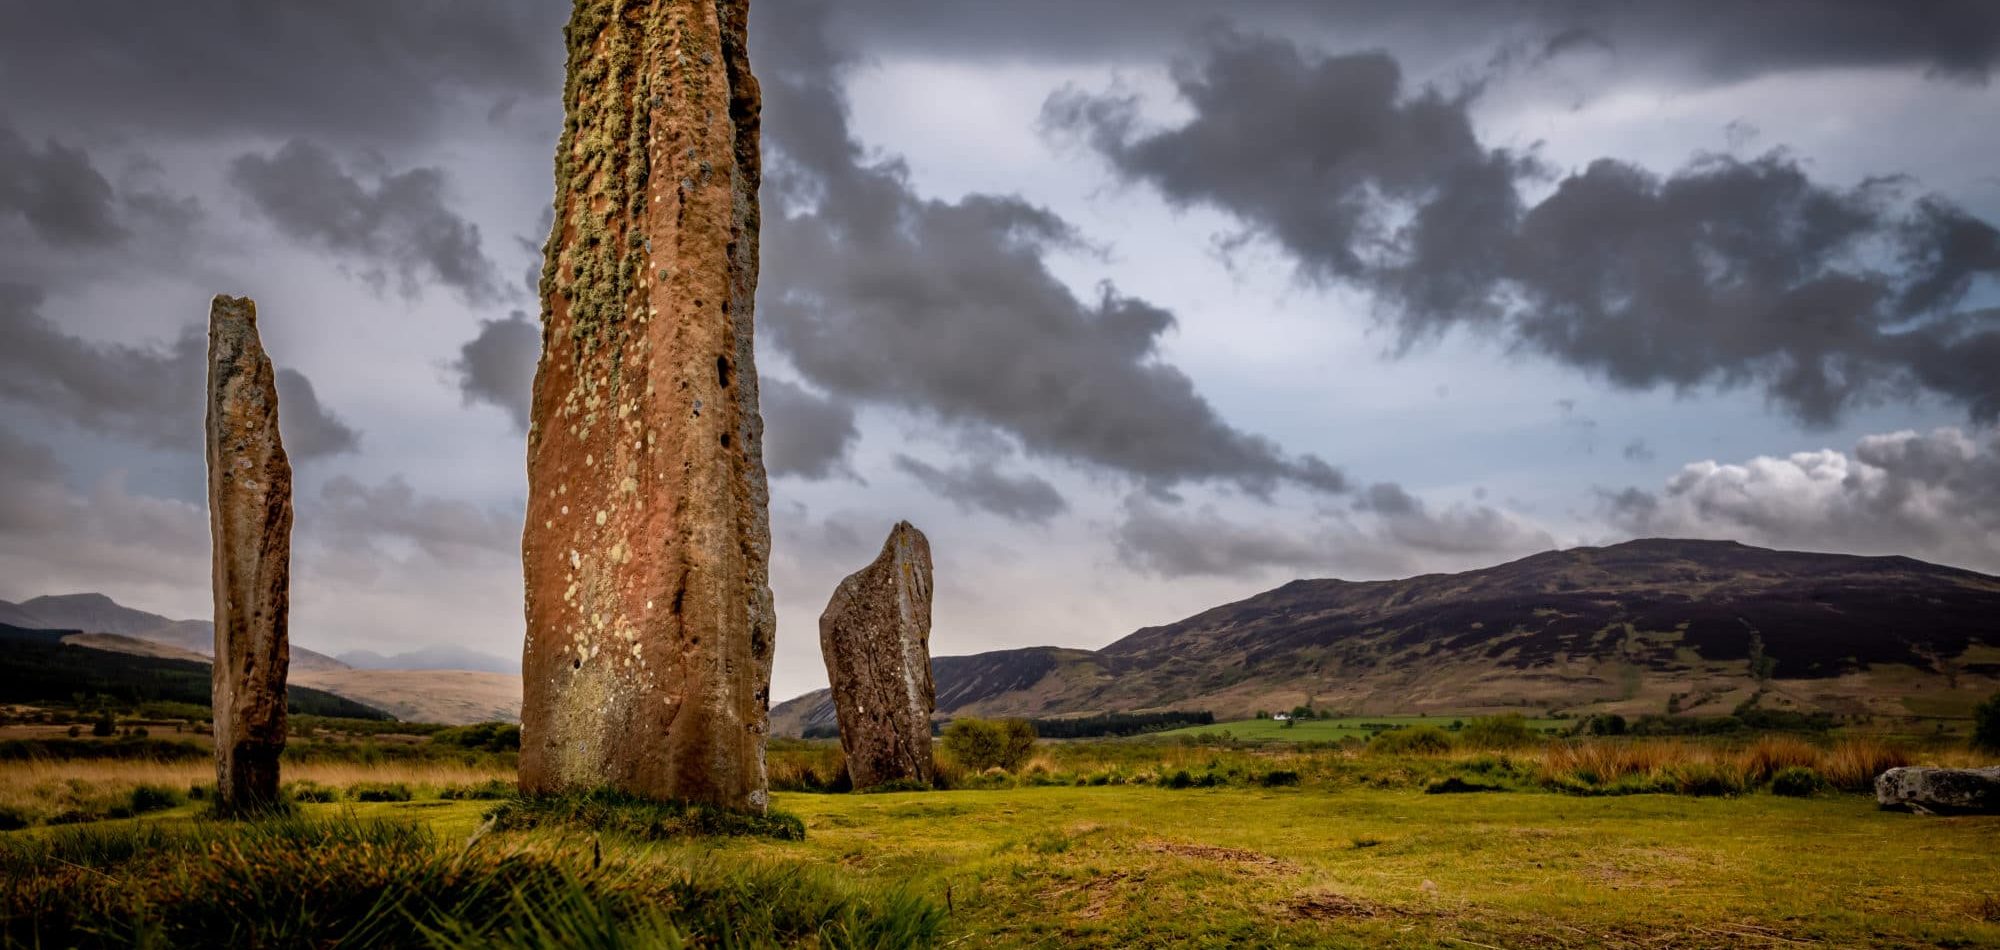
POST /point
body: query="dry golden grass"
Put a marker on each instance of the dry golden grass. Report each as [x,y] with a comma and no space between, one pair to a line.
[42,787]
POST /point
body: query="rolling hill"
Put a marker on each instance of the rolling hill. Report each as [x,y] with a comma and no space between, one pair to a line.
[452,696]
[1642,627]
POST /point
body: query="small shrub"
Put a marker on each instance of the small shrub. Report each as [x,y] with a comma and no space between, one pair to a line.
[1421,740]
[13,818]
[1454,785]
[490,790]
[147,798]
[1498,732]
[1986,724]
[1180,779]
[1797,782]
[312,793]
[983,743]
[104,726]
[645,819]
[1279,777]
[379,792]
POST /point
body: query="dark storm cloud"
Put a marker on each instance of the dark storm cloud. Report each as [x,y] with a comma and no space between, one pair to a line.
[378,69]
[983,487]
[57,190]
[805,434]
[1718,40]
[150,395]
[1726,273]
[949,308]
[395,223]
[1931,495]
[498,366]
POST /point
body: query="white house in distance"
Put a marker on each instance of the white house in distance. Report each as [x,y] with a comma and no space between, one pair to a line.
[1281,717]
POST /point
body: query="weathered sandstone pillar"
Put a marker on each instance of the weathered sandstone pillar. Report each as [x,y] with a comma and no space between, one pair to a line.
[250,527]
[876,636]
[646,550]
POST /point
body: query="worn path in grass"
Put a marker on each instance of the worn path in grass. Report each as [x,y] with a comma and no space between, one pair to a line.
[1121,867]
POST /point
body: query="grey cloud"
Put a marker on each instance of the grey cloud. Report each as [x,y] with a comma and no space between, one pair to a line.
[1638,451]
[497,367]
[949,308]
[1716,40]
[370,68]
[1395,534]
[397,224]
[1153,538]
[1727,273]
[1934,496]
[354,516]
[982,486]
[151,395]
[805,434]
[57,191]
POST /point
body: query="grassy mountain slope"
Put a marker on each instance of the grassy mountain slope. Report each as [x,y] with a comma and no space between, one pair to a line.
[1697,626]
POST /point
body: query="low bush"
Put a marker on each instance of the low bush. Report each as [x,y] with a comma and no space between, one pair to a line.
[379,792]
[1797,782]
[147,798]
[982,743]
[1454,785]
[311,793]
[1278,777]
[1418,740]
[640,818]
[491,790]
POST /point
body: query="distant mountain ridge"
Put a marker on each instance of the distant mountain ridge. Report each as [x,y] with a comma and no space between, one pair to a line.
[429,693]
[1644,626]
[97,613]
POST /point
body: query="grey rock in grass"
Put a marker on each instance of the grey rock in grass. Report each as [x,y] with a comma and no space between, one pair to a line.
[1940,791]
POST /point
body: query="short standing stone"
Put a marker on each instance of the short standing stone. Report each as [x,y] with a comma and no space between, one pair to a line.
[876,635]
[250,526]
[647,667]
[1943,791]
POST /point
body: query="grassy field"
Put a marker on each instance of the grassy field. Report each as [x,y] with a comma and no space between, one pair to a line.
[1635,843]
[1125,867]
[1332,730]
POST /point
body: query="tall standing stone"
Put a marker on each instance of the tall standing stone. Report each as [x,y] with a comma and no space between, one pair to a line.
[250,528]
[648,658]
[876,636]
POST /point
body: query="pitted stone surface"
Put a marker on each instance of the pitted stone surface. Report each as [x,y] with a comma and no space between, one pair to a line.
[250,525]
[647,665]
[876,636]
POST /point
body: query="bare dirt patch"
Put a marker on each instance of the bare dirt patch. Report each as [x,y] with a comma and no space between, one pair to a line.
[1218,855]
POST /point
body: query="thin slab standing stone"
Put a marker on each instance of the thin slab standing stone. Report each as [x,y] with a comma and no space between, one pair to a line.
[647,665]
[250,527]
[876,636]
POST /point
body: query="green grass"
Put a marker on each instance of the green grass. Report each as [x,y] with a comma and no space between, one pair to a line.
[1330,730]
[1312,865]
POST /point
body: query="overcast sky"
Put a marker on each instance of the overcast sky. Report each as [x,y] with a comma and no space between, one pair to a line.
[1132,308]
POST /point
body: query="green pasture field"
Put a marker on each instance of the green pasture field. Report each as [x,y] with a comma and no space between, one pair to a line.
[1126,866]
[1332,730]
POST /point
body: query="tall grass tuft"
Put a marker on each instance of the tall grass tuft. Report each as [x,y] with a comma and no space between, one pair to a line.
[345,882]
